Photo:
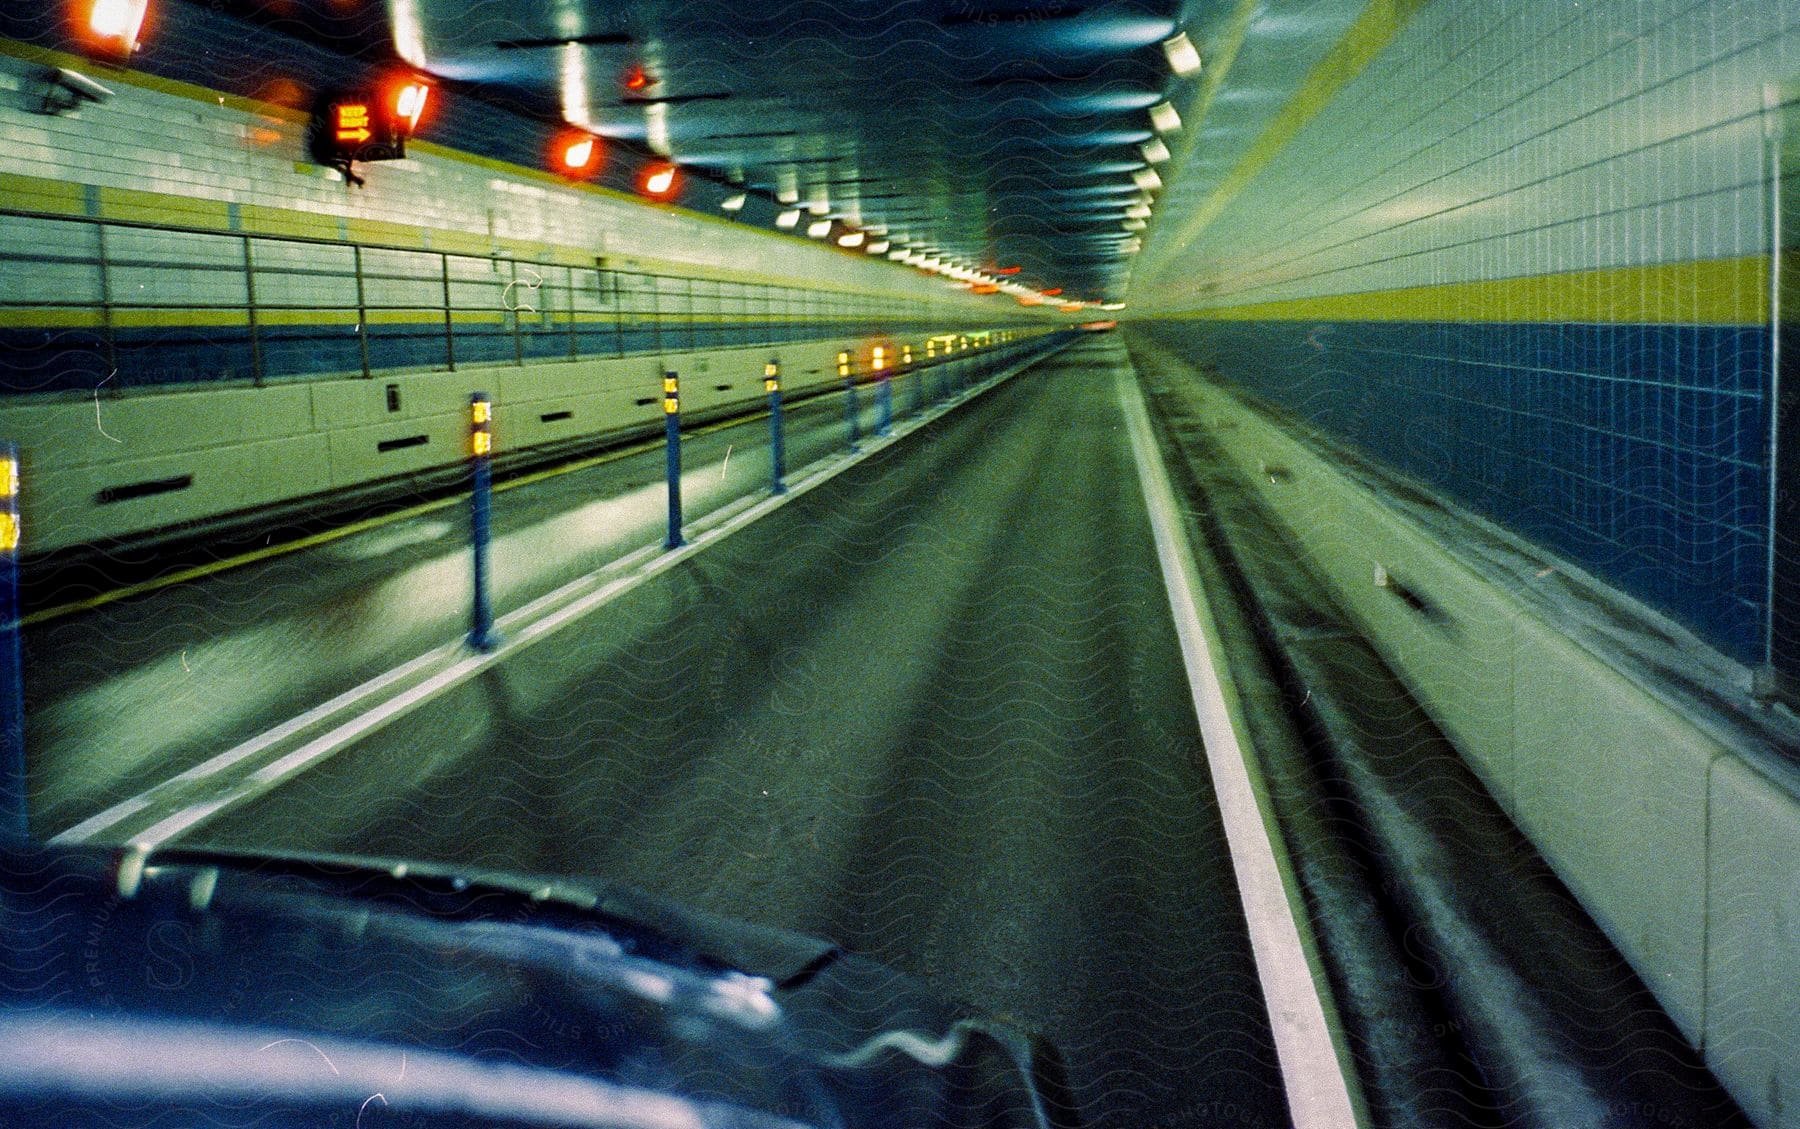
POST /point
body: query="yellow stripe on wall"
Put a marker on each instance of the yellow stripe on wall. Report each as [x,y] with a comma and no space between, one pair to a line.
[175,319]
[1710,292]
[304,318]
[130,205]
[36,194]
[261,219]
[51,318]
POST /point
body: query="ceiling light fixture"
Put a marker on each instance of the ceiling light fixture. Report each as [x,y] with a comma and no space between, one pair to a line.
[578,154]
[1164,119]
[788,219]
[118,21]
[1183,59]
[818,229]
[659,181]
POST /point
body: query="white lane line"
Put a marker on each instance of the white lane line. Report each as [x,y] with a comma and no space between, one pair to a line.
[125,809]
[1318,1093]
[273,773]
[524,625]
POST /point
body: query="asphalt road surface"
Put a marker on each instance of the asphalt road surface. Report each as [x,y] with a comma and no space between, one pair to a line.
[933,710]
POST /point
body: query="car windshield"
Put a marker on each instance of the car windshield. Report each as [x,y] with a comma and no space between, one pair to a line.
[1165,580]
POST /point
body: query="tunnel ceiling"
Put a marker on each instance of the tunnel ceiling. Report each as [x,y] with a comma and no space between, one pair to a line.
[988,134]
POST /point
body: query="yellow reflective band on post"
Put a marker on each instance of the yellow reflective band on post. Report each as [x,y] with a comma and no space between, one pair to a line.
[906,354]
[671,386]
[481,418]
[9,533]
[770,384]
[880,357]
[9,478]
[671,405]
[771,370]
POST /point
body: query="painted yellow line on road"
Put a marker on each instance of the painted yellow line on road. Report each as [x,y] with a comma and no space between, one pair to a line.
[312,541]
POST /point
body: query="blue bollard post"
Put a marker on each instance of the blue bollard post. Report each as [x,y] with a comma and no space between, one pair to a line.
[884,394]
[851,424]
[481,448]
[672,455]
[13,822]
[777,463]
[918,379]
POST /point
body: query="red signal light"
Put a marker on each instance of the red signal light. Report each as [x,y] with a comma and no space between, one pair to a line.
[1052,292]
[635,78]
[659,180]
[409,105]
[1007,270]
[116,23]
[574,153]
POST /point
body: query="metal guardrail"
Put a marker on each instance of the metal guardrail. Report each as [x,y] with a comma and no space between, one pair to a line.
[252,305]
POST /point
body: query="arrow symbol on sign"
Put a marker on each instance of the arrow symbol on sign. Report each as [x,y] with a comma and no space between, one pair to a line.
[352,135]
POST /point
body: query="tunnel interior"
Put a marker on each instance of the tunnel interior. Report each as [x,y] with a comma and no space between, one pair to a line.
[1182,562]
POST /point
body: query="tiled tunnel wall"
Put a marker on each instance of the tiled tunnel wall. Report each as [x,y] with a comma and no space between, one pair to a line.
[1522,257]
[144,228]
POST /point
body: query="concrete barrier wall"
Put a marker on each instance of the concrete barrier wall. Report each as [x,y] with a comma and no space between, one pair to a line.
[100,469]
[1684,847]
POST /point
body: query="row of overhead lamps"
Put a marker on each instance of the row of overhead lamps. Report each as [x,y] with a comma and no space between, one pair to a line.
[818,224]
[1184,61]
[378,128]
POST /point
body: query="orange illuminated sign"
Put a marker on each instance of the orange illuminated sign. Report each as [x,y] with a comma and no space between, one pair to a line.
[351,124]
[360,127]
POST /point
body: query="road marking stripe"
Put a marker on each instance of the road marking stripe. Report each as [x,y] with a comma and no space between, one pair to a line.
[1317,1090]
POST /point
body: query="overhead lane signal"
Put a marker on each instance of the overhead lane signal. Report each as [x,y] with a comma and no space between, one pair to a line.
[366,126]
